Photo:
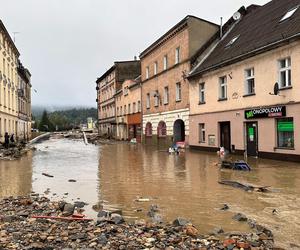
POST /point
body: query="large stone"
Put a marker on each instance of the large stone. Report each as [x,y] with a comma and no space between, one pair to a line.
[180,222]
[240,217]
[117,219]
[68,209]
[217,230]
[79,204]
[103,214]
[102,239]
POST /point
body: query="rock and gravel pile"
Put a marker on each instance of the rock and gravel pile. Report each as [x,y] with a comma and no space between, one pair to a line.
[15,151]
[19,230]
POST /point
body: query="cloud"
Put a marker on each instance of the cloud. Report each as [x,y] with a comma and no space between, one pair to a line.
[67,44]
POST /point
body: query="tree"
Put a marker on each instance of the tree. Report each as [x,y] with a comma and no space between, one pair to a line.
[45,124]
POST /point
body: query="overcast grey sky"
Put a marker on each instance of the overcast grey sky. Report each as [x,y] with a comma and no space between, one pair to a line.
[67,44]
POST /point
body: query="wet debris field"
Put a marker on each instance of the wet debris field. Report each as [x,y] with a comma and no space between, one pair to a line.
[35,222]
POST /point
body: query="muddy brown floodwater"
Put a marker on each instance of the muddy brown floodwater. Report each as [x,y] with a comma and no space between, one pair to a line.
[182,186]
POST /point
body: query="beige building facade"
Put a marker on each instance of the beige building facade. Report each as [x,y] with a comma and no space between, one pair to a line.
[128,111]
[107,87]
[24,103]
[251,102]
[9,55]
[165,89]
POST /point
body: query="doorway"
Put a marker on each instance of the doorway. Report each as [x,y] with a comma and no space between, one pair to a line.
[251,138]
[179,131]
[225,136]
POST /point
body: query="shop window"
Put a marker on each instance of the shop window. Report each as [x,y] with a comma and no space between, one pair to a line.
[202,93]
[201,132]
[285,78]
[223,88]
[285,133]
[162,129]
[249,81]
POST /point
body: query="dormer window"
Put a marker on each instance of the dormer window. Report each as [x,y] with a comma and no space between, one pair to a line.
[232,41]
[289,13]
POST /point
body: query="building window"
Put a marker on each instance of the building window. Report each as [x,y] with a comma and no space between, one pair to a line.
[125,111]
[148,101]
[165,62]
[166,95]
[285,79]
[202,92]
[148,129]
[161,129]
[147,72]
[139,106]
[232,41]
[223,87]
[285,133]
[177,55]
[126,91]
[289,13]
[201,132]
[129,108]
[155,68]
[178,92]
[134,107]
[121,111]
[118,111]
[249,81]
[156,98]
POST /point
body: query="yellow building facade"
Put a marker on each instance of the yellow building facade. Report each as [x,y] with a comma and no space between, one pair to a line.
[9,55]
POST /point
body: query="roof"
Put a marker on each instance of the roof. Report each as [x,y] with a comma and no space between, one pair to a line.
[9,37]
[258,30]
[112,68]
[160,40]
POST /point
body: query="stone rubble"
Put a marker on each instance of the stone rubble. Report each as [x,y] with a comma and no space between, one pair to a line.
[19,230]
[15,151]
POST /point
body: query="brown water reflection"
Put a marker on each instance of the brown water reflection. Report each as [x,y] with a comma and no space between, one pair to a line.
[187,185]
[184,185]
[16,177]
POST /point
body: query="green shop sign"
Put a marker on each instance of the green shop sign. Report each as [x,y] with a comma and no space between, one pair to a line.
[277,111]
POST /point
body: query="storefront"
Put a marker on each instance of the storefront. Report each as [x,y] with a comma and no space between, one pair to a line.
[267,132]
[134,126]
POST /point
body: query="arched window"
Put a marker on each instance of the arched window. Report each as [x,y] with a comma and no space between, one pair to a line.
[161,129]
[148,129]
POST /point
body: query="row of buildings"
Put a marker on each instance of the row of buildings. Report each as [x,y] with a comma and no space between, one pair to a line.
[235,86]
[15,90]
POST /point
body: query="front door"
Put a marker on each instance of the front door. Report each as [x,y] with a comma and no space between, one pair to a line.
[251,133]
[225,140]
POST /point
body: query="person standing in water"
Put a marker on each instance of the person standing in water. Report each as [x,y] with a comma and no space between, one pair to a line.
[6,140]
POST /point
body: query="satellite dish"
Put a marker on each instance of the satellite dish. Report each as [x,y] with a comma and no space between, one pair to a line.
[236,16]
[276,88]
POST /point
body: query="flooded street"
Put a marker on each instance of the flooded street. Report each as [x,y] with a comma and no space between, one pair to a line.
[182,186]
